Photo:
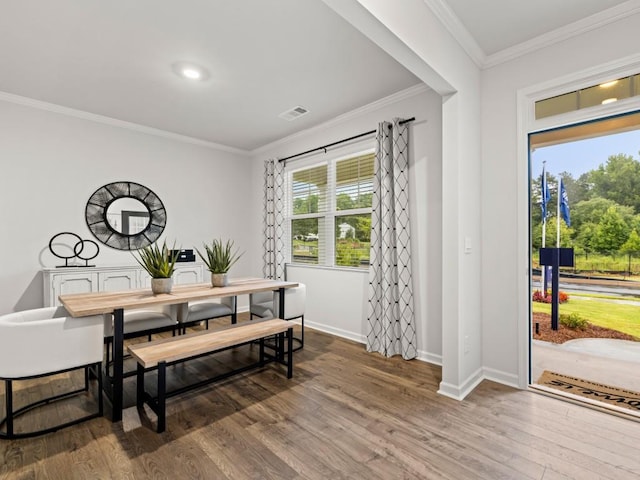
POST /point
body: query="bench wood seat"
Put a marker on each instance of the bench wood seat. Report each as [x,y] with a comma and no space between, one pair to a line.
[160,353]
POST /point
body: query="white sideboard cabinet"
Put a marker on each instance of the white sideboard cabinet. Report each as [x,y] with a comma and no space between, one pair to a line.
[62,281]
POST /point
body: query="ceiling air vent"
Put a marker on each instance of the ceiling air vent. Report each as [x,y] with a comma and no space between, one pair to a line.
[294,113]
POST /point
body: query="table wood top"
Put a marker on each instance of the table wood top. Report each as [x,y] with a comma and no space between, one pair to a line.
[82,304]
[172,349]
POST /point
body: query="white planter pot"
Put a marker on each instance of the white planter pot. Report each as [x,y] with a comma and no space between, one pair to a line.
[219,279]
[161,285]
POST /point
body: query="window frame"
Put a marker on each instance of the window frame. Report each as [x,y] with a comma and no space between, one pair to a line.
[326,219]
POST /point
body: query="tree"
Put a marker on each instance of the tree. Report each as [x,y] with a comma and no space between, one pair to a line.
[364,200]
[611,232]
[592,211]
[618,180]
[566,234]
[300,227]
[306,204]
[344,202]
[631,247]
[584,238]
[577,190]
[536,196]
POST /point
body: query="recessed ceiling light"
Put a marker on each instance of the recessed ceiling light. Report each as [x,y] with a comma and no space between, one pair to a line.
[190,71]
[609,100]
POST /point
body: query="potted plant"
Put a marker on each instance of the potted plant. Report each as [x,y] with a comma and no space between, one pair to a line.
[160,263]
[219,258]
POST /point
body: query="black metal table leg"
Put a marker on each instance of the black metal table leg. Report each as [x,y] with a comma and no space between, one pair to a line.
[118,364]
[290,353]
[281,299]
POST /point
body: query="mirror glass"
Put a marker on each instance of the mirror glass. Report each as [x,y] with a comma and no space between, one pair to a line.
[127,215]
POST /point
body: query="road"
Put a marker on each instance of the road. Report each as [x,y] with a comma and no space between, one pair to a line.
[613,287]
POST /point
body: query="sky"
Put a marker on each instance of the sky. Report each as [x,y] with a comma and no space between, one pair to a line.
[583,155]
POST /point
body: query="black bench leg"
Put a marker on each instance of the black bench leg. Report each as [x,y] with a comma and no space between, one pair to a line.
[100,388]
[280,351]
[290,353]
[140,386]
[162,399]
[262,352]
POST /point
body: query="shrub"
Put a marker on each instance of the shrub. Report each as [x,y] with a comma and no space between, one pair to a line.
[539,297]
[573,321]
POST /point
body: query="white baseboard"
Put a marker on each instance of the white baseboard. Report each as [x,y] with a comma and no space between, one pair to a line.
[460,392]
[457,392]
[338,332]
[429,358]
[498,376]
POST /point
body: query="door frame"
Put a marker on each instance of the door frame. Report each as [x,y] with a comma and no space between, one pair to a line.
[527,124]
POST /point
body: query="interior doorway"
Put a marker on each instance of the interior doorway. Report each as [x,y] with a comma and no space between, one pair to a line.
[585,195]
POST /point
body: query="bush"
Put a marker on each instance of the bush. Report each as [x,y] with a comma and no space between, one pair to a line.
[539,297]
[573,321]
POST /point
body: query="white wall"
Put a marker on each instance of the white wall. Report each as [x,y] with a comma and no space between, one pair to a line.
[337,298]
[504,216]
[52,163]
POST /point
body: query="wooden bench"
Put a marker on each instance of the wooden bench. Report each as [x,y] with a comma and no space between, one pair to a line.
[167,351]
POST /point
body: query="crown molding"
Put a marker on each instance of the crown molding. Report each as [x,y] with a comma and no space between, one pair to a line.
[114,122]
[570,30]
[453,24]
[358,112]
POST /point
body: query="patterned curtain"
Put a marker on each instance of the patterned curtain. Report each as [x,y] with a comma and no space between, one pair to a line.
[390,318]
[273,221]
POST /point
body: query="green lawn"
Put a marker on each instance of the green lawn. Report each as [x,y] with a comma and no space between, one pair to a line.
[623,318]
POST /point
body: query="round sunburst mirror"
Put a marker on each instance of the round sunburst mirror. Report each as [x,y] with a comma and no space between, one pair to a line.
[125,215]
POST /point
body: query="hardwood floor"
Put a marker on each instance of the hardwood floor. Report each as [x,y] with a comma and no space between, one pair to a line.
[346,414]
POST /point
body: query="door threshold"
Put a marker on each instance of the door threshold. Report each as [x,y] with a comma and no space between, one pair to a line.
[585,402]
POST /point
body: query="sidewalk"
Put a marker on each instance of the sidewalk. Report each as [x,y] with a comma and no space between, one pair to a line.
[607,361]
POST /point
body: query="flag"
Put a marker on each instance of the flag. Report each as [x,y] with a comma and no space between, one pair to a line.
[564,204]
[546,194]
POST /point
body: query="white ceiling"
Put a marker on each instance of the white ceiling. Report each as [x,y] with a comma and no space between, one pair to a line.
[113,58]
[497,25]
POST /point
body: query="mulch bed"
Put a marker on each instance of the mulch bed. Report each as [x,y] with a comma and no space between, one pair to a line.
[563,333]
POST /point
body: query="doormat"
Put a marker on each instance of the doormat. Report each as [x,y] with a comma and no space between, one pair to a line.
[618,397]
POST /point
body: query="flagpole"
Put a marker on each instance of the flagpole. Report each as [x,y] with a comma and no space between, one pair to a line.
[544,227]
[559,193]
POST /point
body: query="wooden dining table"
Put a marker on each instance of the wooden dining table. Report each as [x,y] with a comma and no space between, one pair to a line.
[115,303]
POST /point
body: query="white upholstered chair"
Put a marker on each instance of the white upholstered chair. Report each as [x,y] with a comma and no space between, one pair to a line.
[45,341]
[261,304]
[205,310]
[294,306]
[140,323]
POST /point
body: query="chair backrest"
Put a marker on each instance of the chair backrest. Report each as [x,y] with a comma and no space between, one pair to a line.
[294,302]
[168,310]
[183,309]
[260,297]
[45,340]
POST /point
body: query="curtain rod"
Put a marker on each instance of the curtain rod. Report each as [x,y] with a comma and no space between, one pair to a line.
[324,147]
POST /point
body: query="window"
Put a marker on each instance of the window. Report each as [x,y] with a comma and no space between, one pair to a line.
[330,212]
[603,93]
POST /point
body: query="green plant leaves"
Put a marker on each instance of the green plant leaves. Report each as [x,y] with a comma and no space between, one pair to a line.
[220,256]
[159,262]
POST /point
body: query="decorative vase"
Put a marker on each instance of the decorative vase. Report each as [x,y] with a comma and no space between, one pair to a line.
[219,279]
[161,285]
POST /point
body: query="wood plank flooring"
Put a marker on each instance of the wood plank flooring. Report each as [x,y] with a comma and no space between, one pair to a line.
[346,414]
